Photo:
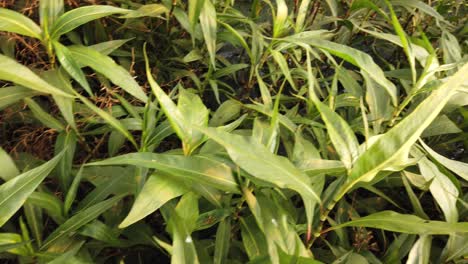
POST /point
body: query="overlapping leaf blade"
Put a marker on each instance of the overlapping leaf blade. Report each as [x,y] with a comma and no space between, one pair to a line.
[403,223]
[397,141]
[82,15]
[86,56]
[12,71]
[157,190]
[14,192]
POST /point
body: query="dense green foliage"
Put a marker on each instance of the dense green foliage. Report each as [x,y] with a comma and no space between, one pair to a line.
[233,131]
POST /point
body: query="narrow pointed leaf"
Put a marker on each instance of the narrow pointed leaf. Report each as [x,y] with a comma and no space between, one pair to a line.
[51,204]
[155,193]
[80,219]
[404,41]
[9,169]
[150,10]
[397,141]
[44,117]
[460,168]
[106,66]
[208,26]
[341,134]
[355,57]
[194,9]
[421,251]
[71,66]
[258,161]
[404,223]
[82,15]
[12,94]
[197,168]
[12,71]
[14,192]
[12,21]
[49,11]
[109,119]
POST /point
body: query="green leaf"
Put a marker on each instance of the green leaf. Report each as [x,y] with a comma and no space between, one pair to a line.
[12,21]
[443,190]
[49,11]
[279,22]
[58,78]
[13,243]
[9,169]
[258,161]
[190,111]
[281,61]
[110,120]
[106,66]
[14,192]
[404,223]
[82,15]
[107,47]
[379,104]
[181,224]
[80,219]
[301,15]
[66,257]
[223,239]
[227,111]
[116,185]
[208,26]
[67,61]
[341,134]
[12,94]
[404,41]
[51,204]
[148,10]
[197,168]
[71,194]
[393,146]
[102,232]
[423,7]
[442,125]
[67,141]
[358,4]
[44,117]
[194,9]
[421,251]
[353,56]
[34,218]
[194,113]
[458,167]
[12,71]
[254,240]
[157,190]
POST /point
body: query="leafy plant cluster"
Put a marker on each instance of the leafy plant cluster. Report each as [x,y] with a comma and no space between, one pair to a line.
[233,131]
